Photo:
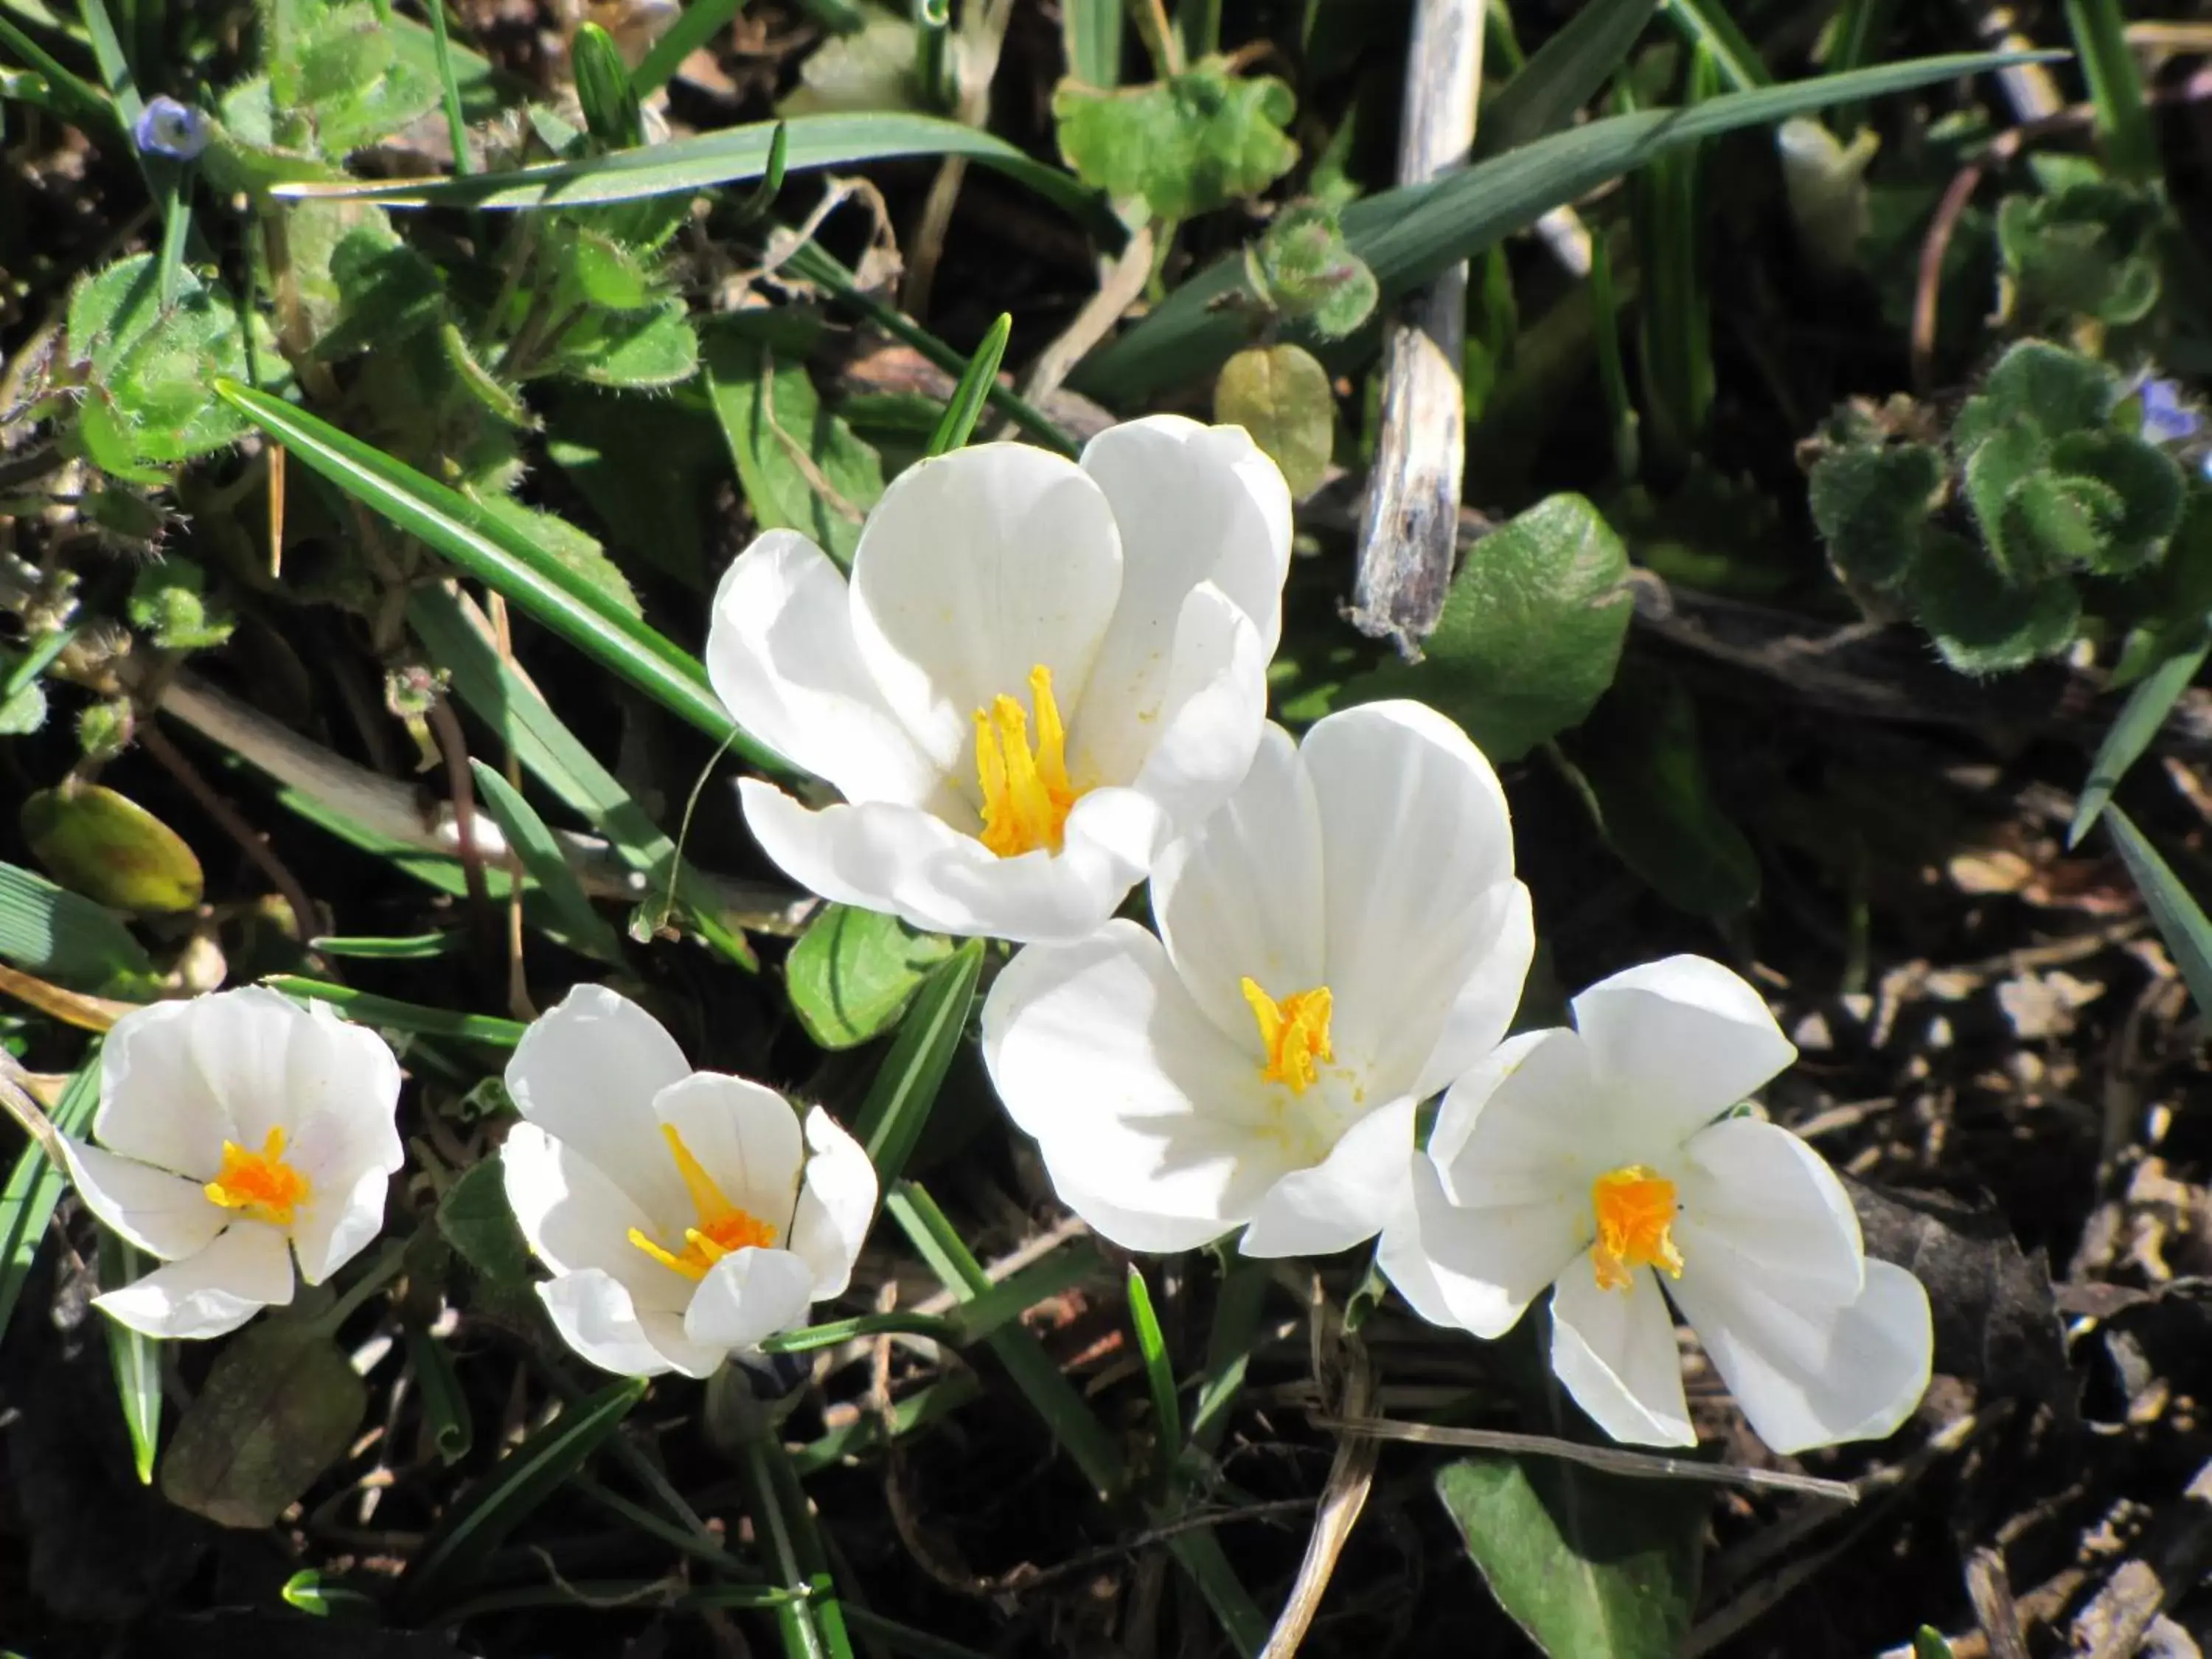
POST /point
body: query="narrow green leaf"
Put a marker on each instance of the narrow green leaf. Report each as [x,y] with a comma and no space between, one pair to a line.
[2115,89]
[496,554]
[1408,234]
[449,86]
[472,1528]
[533,843]
[2147,705]
[1090,34]
[904,1639]
[2180,919]
[310,1592]
[1159,1376]
[365,1009]
[605,90]
[1229,1345]
[418,947]
[966,406]
[1565,73]
[1706,23]
[683,166]
[52,933]
[702,20]
[131,1354]
[854,971]
[35,1187]
[79,100]
[1928,1642]
[899,1100]
[445,1405]
[1595,1566]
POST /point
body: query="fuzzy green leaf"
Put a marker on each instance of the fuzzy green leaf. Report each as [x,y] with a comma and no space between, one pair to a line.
[1871,503]
[1187,145]
[1982,623]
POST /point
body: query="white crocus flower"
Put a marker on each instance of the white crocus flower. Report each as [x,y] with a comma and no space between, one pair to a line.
[1339,940]
[686,1215]
[235,1132]
[1597,1159]
[1038,673]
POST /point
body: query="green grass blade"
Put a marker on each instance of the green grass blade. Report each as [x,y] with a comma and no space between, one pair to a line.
[1053,1398]
[445,1405]
[1229,1347]
[131,1354]
[2180,919]
[2147,705]
[1408,234]
[473,1528]
[388,1013]
[62,936]
[1159,1378]
[702,20]
[1565,73]
[966,407]
[449,87]
[905,1088]
[77,99]
[533,843]
[1706,23]
[35,1187]
[1015,1294]
[1091,32]
[2115,88]
[418,947]
[684,167]
[904,1639]
[496,554]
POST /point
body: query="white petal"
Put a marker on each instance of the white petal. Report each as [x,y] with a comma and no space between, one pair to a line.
[1757,1201]
[342,1083]
[1687,1038]
[595,1315]
[241,1041]
[164,1215]
[1241,895]
[836,1205]
[744,1135]
[781,653]
[1197,745]
[1480,1267]
[154,1106]
[902,860]
[1133,1095]
[1344,1199]
[586,1072]
[746,1297]
[1195,503]
[574,1217]
[1525,1123]
[1415,841]
[975,568]
[1811,1375]
[1500,933]
[338,1223]
[245,1269]
[1614,1351]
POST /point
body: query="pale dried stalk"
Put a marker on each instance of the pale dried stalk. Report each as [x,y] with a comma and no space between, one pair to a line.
[1350,1475]
[1411,525]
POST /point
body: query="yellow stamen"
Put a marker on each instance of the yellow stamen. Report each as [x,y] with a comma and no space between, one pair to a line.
[262,1184]
[1635,1226]
[1026,794]
[1294,1032]
[723,1227]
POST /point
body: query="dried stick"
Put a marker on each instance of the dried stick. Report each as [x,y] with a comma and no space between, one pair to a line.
[1413,498]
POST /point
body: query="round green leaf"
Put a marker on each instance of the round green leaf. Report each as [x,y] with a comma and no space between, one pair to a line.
[1282,397]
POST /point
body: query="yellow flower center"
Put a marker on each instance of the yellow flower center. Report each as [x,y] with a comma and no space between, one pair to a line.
[1026,794]
[1635,1226]
[1294,1032]
[262,1184]
[723,1227]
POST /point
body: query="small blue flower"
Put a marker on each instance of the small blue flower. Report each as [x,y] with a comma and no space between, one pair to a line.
[168,128]
[2166,418]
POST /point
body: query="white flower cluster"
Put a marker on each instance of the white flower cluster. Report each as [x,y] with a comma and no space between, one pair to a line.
[1044,684]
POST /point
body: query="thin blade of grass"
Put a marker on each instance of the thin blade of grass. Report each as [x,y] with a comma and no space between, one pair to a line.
[444,1404]
[497,555]
[418,947]
[83,103]
[35,1187]
[2180,920]
[533,843]
[684,167]
[1159,1378]
[1090,34]
[472,1528]
[1565,73]
[2149,703]
[1706,23]
[701,21]
[1229,1347]
[449,87]
[966,406]
[2115,89]
[906,1086]
[62,936]
[131,1354]
[365,1008]
[1408,234]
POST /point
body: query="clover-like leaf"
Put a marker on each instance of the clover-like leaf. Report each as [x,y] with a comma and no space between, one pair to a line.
[1195,141]
[1282,397]
[1871,502]
[1983,624]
